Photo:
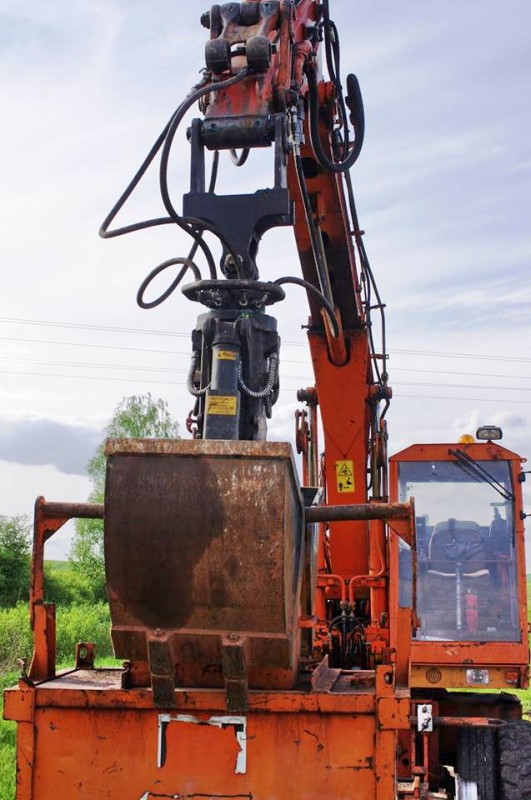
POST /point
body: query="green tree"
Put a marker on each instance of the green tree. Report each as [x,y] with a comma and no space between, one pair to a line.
[14,560]
[136,417]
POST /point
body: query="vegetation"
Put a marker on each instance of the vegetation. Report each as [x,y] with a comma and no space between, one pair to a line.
[7,744]
[75,623]
[135,417]
[14,560]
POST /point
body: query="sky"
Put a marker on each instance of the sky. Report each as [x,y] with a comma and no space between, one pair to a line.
[443,192]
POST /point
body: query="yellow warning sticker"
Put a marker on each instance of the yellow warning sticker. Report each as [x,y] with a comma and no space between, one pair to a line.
[224,405]
[345,476]
[227,355]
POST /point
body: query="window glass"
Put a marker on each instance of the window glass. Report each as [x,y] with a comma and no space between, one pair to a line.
[466,566]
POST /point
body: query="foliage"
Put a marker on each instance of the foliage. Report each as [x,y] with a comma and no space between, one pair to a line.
[86,555]
[75,623]
[14,560]
[66,585]
[81,622]
[137,417]
[7,745]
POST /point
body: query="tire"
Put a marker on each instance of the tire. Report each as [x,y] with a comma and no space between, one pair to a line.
[477,761]
[514,746]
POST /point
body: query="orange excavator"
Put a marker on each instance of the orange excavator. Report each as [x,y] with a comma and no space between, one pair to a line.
[279,642]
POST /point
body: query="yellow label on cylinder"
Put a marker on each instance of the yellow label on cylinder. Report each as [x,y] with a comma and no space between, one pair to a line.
[224,405]
[227,355]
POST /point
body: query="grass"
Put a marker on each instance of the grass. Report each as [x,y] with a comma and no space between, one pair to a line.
[7,744]
[74,624]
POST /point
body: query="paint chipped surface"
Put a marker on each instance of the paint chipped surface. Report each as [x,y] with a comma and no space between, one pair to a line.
[222,722]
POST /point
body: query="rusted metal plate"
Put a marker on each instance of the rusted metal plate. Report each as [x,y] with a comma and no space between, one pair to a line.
[203,537]
[101,689]
[393,713]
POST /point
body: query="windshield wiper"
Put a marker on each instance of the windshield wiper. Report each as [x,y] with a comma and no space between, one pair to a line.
[478,472]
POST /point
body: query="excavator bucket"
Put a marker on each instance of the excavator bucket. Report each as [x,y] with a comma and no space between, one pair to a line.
[203,550]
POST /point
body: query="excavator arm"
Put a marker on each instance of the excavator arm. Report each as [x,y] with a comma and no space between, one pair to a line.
[263,87]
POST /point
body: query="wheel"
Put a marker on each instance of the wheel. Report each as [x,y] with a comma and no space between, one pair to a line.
[477,761]
[514,745]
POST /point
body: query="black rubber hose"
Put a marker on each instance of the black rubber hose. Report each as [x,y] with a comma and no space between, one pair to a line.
[333,63]
[239,159]
[357,113]
[176,120]
[320,296]
[331,52]
[189,226]
[315,135]
[319,255]
[186,262]
[186,265]
[366,268]
[354,102]
[105,233]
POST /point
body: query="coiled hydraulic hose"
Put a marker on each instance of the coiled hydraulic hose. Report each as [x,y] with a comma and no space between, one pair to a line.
[354,101]
[271,380]
[194,363]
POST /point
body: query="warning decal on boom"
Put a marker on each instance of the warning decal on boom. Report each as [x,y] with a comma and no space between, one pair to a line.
[345,476]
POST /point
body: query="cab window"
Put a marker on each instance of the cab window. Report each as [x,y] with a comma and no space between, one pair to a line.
[465,561]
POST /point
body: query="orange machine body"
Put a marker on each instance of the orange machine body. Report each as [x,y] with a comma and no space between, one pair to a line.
[82,736]
[282,643]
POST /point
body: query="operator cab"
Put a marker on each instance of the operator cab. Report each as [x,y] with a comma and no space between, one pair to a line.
[469,553]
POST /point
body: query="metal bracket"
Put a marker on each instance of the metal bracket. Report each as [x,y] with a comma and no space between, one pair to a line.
[162,671]
[85,652]
[244,218]
[234,666]
[425,718]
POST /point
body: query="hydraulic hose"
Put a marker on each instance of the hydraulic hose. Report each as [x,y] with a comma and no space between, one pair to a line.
[315,136]
[190,378]
[271,380]
[187,264]
[176,120]
[165,140]
[320,296]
